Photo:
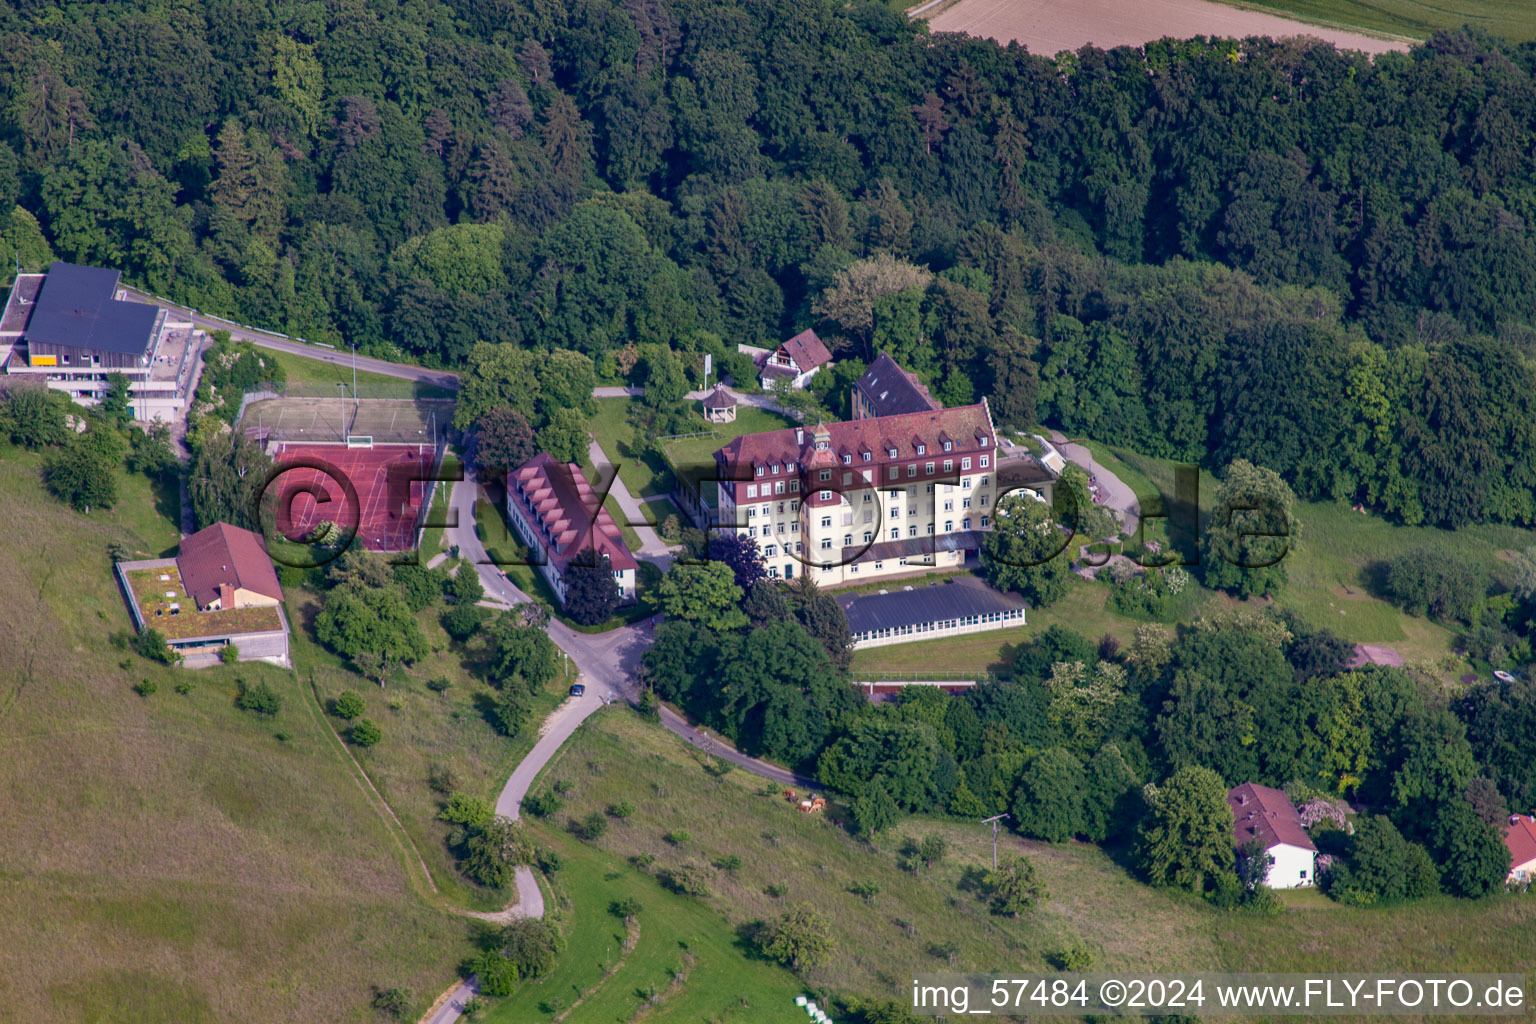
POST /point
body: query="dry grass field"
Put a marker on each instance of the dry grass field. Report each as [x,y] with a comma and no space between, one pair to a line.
[171,857]
[1051,26]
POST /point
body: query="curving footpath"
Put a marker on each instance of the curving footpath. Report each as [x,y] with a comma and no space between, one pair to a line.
[608,664]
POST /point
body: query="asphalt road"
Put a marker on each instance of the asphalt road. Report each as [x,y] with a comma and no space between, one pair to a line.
[278,343]
[608,664]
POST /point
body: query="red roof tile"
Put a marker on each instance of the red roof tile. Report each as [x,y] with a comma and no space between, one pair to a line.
[1267,815]
[806,350]
[556,500]
[966,425]
[226,556]
[1520,837]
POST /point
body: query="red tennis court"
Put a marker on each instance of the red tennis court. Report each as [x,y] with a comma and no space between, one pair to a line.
[390,481]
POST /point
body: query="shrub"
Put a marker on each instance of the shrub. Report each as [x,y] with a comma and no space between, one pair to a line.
[866,890]
[1432,583]
[467,810]
[440,778]
[549,861]
[183,688]
[776,890]
[462,621]
[439,685]
[801,939]
[730,863]
[151,644]
[542,804]
[592,827]
[260,699]
[1074,956]
[145,687]
[622,809]
[349,705]
[686,880]
[1153,594]
[229,655]
[497,974]
[678,837]
[393,1002]
[364,733]
[626,908]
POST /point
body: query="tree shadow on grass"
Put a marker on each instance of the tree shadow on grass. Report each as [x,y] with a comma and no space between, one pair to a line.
[1373,577]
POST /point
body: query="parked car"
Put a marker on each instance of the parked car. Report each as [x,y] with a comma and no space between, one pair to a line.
[578,690]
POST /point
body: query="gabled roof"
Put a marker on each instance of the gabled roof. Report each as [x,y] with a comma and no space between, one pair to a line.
[967,425]
[555,498]
[1520,837]
[890,391]
[1267,815]
[77,309]
[221,556]
[806,350]
[719,398]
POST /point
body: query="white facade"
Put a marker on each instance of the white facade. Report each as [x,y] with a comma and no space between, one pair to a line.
[1293,867]
[538,548]
[796,539]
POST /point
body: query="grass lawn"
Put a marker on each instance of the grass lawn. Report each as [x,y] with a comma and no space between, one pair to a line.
[908,924]
[1509,18]
[1082,609]
[171,857]
[508,552]
[646,475]
[318,372]
[428,730]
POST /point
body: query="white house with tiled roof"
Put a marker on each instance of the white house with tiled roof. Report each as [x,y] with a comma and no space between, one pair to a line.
[1268,816]
[797,361]
[847,502]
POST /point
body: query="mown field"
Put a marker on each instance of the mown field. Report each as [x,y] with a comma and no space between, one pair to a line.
[171,857]
[914,922]
[1334,579]
[1512,19]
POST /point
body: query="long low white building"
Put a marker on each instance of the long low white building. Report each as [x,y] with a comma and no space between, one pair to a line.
[960,604]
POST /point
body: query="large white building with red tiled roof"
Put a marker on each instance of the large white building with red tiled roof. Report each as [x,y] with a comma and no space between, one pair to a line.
[1267,815]
[846,502]
[561,521]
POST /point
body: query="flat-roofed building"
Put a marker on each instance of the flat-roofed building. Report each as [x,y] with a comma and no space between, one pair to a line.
[73,328]
[964,604]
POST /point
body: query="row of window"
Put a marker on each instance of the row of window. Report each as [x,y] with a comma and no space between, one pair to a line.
[773,469]
[1008,615]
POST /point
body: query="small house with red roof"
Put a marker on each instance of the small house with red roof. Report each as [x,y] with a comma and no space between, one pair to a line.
[1267,816]
[561,520]
[797,361]
[1520,837]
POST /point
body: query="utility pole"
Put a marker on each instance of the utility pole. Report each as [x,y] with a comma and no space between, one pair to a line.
[342,426]
[994,820]
[354,375]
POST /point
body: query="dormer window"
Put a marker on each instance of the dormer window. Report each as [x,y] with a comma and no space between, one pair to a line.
[922,449]
[867,455]
[982,440]
[775,468]
[890,453]
[847,459]
[759,470]
[949,446]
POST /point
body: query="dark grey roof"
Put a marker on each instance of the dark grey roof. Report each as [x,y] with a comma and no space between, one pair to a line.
[957,597]
[76,309]
[1021,471]
[891,391]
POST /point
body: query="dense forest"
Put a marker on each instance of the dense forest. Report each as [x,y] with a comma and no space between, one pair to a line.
[1206,250]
